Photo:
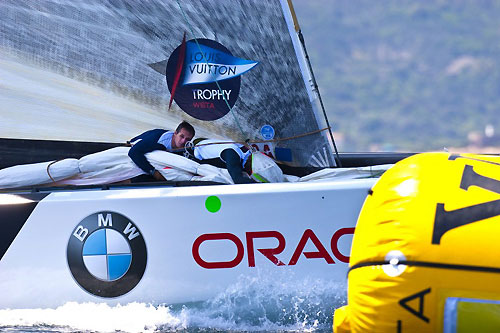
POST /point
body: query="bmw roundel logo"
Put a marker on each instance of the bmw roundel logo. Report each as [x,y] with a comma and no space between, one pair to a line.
[107,254]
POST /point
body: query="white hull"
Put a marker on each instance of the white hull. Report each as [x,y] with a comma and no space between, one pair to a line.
[34,271]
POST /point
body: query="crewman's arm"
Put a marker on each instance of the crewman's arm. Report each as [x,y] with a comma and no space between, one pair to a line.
[148,143]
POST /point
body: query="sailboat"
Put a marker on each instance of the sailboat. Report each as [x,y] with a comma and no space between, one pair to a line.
[79,79]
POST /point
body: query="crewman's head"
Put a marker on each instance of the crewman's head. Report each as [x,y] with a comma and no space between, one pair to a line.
[184,133]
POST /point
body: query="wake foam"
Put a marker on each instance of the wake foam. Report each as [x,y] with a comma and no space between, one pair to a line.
[252,304]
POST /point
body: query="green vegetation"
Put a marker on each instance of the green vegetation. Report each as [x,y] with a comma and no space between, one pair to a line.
[405,75]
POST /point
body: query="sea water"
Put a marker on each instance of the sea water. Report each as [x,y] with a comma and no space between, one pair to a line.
[251,304]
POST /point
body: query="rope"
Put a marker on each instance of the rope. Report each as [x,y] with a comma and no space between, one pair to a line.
[258,141]
[48,171]
[206,61]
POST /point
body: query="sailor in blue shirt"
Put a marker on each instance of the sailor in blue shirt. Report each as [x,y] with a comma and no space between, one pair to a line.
[159,139]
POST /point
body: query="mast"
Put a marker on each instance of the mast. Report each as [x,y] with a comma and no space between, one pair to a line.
[313,79]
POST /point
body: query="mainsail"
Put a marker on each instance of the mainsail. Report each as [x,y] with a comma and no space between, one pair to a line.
[94,72]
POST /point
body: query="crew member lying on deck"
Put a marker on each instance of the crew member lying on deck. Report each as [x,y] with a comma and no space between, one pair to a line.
[243,166]
[159,139]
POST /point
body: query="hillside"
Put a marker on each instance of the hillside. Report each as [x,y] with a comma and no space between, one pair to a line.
[406,75]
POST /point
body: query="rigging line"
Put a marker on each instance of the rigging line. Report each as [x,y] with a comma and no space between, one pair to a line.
[292,137]
[206,61]
[313,78]
[258,141]
[48,171]
[301,38]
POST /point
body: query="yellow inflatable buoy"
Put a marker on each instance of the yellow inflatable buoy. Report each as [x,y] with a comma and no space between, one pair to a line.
[426,251]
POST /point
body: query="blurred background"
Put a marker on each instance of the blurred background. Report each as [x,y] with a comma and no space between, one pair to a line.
[407,75]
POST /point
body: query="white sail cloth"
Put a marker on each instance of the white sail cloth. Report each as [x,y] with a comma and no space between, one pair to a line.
[109,166]
[38,173]
[114,165]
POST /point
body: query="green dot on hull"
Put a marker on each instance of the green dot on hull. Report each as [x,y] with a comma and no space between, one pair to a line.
[213,204]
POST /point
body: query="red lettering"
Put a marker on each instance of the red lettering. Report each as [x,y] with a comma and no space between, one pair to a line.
[335,241]
[203,105]
[266,148]
[268,253]
[218,264]
[321,253]
[268,151]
